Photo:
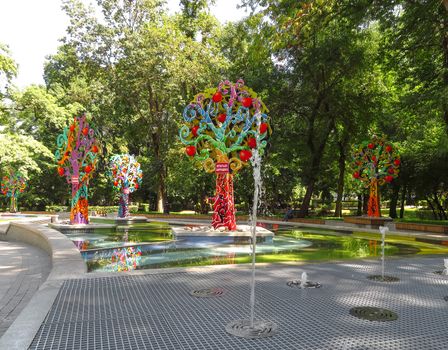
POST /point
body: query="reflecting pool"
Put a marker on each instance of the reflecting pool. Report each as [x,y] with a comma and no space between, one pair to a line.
[151,245]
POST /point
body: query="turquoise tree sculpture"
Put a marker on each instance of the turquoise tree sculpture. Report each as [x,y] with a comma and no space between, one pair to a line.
[12,186]
[77,156]
[125,172]
[221,127]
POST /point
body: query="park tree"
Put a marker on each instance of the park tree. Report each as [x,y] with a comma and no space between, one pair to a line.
[416,40]
[8,69]
[324,50]
[148,66]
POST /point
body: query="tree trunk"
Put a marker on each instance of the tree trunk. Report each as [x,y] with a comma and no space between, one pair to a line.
[79,213]
[314,171]
[365,203]
[434,213]
[394,200]
[160,166]
[442,213]
[360,203]
[340,189]
[444,35]
[161,193]
[306,200]
[224,205]
[123,209]
[13,206]
[373,208]
[403,200]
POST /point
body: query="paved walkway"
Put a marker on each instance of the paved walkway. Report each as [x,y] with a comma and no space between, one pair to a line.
[23,268]
[155,310]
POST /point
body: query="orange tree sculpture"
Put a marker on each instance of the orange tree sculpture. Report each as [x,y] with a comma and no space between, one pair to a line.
[376,162]
[220,128]
[12,186]
[77,155]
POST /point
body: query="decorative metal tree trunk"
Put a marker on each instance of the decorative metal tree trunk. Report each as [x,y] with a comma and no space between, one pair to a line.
[77,156]
[12,186]
[125,172]
[220,129]
[376,162]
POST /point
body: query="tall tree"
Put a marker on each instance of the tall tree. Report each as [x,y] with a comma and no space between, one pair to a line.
[149,65]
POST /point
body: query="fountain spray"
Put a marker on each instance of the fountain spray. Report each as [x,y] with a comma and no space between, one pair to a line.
[383,230]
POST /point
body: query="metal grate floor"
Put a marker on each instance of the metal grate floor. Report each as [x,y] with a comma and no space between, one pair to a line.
[156,311]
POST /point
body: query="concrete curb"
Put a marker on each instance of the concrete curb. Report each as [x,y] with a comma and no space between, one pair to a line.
[67,263]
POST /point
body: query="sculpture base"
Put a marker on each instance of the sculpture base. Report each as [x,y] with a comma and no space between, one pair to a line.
[121,221]
[207,234]
[372,221]
[130,220]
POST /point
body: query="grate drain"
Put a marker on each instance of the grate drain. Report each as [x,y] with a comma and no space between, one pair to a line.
[242,329]
[373,314]
[207,292]
[308,284]
[380,278]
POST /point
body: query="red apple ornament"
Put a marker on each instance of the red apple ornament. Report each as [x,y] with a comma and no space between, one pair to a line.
[222,117]
[388,178]
[397,162]
[194,130]
[263,128]
[247,102]
[217,97]
[85,131]
[252,142]
[356,175]
[245,155]
[388,148]
[87,169]
[371,146]
[190,150]
[94,149]
[61,171]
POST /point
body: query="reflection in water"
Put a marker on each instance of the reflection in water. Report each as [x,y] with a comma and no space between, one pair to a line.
[373,247]
[126,259]
[151,246]
[81,244]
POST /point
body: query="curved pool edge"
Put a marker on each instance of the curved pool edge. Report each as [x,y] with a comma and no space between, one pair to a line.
[66,263]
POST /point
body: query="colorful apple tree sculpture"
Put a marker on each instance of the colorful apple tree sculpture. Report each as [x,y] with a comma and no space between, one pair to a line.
[376,162]
[221,127]
[125,172]
[77,155]
[12,186]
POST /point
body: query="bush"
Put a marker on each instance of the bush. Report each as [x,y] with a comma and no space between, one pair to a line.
[98,208]
[424,214]
[56,208]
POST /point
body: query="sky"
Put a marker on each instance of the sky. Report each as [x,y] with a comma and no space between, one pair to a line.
[32,29]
